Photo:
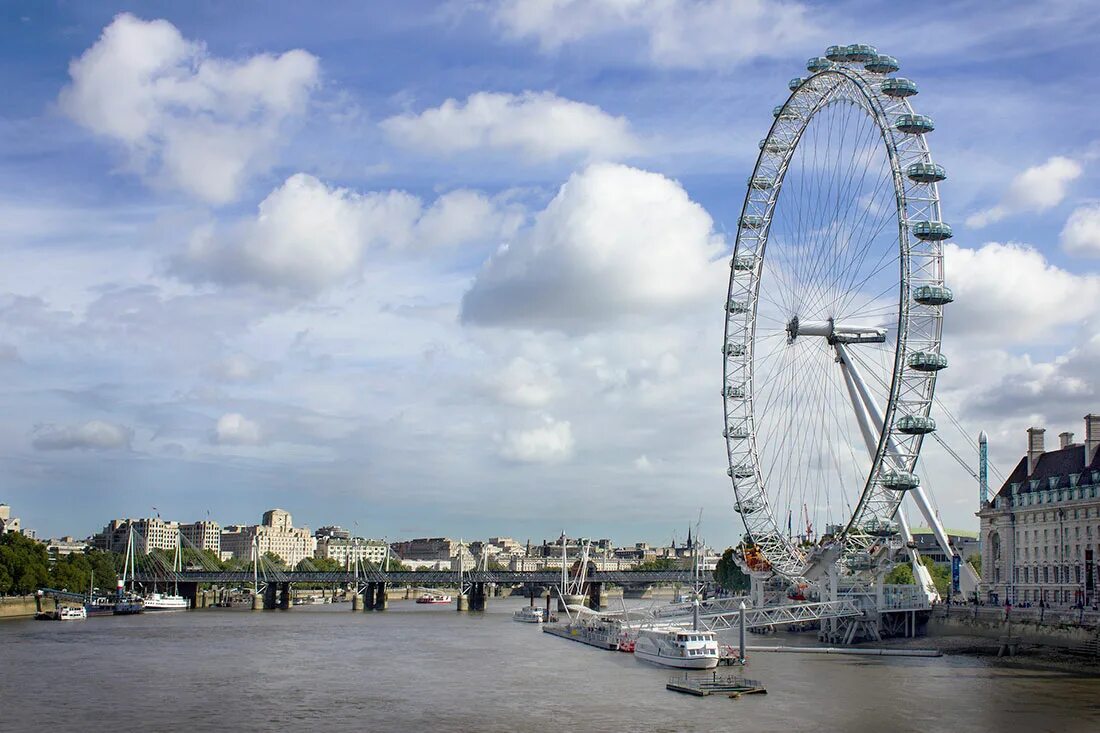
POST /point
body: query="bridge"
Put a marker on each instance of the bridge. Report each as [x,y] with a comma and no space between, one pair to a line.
[272,586]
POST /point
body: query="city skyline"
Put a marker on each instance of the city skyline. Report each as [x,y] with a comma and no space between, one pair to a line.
[269,269]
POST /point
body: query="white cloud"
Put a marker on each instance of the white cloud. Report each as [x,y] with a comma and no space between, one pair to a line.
[1009,293]
[188,120]
[1081,234]
[92,435]
[234,428]
[237,368]
[643,464]
[614,242]
[307,235]
[540,125]
[1037,189]
[680,33]
[524,383]
[551,442]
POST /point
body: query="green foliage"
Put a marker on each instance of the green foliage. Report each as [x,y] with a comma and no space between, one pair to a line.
[976,561]
[728,575]
[275,560]
[24,564]
[324,565]
[902,574]
[78,571]
[396,565]
[660,563]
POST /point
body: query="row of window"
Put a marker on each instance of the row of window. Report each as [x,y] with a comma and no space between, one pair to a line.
[1051,494]
[1049,574]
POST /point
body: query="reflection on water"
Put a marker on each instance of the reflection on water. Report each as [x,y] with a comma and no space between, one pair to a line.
[413,667]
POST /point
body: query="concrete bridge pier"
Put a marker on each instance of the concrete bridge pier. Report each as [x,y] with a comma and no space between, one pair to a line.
[189,591]
[258,601]
[595,599]
[356,602]
[380,599]
[462,603]
[479,596]
[271,596]
[284,596]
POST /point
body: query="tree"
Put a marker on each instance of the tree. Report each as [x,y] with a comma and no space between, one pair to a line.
[976,561]
[274,559]
[24,564]
[323,565]
[659,563]
[728,574]
[80,570]
[902,574]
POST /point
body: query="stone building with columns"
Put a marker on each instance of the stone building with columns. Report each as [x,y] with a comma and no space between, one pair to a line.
[1041,531]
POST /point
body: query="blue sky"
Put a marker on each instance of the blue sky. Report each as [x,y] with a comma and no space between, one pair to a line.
[238,239]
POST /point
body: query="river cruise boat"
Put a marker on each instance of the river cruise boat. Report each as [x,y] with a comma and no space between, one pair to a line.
[675,647]
[433,598]
[530,615]
[72,613]
[166,602]
[598,631]
[104,606]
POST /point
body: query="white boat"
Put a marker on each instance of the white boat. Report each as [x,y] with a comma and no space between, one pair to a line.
[72,613]
[434,598]
[675,647]
[165,602]
[530,615]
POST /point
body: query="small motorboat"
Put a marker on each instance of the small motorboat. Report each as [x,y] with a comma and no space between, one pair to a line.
[434,598]
[72,613]
[530,615]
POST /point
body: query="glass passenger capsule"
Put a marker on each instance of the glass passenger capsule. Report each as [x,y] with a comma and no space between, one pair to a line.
[914,124]
[881,527]
[771,145]
[926,172]
[761,183]
[899,480]
[932,231]
[926,361]
[838,54]
[882,64]
[861,53]
[933,294]
[898,87]
[735,307]
[735,433]
[740,471]
[795,83]
[748,506]
[734,348]
[915,425]
[750,221]
[782,112]
[743,263]
[860,561]
[817,63]
[733,392]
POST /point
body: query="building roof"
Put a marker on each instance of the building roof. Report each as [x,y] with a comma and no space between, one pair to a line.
[1056,464]
[964,533]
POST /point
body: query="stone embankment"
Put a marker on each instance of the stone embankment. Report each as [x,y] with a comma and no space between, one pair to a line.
[22,606]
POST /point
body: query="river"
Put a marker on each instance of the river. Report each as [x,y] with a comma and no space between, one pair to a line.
[429,668]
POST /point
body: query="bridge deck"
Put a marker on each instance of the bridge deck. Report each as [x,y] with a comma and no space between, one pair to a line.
[420,578]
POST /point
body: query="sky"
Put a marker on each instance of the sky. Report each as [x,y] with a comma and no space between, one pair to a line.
[457,269]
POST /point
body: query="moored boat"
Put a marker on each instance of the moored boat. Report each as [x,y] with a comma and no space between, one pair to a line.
[165,602]
[434,598]
[72,613]
[671,646]
[530,615]
[598,631]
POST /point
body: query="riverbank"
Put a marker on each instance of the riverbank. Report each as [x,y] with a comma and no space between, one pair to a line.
[23,606]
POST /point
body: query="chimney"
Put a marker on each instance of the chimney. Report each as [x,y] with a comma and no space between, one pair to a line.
[1065,440]
[1092,437]
[1035,447]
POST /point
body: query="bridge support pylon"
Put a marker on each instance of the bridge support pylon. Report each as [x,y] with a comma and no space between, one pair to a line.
[595,599]
[380,599]
[462,602]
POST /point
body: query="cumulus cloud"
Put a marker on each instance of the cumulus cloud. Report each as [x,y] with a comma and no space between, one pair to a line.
[92,435]
[551,442]
[524,383]
[1009,293]
[1081,234]
[680,33]
[234,428]
[539,125]
[195,122]
[614,242]
[1038,188]
[307,235]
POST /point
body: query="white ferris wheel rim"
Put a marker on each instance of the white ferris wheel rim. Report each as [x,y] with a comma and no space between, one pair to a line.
[918,325]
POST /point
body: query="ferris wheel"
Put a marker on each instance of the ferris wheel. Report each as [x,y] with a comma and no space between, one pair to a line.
[833,317]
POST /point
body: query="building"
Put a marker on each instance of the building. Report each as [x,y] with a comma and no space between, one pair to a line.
[276,534]
[1041,531]
[8,523]
[204,535]
[426,548]
[63,546]
[964,542]
[346,551]
[151,533]
[332,531]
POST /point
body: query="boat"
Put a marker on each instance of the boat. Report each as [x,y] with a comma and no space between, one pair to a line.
[671,646]
[166,602]
[72,613]
[599,631]
[530,615]
[433,598]
[123,605]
